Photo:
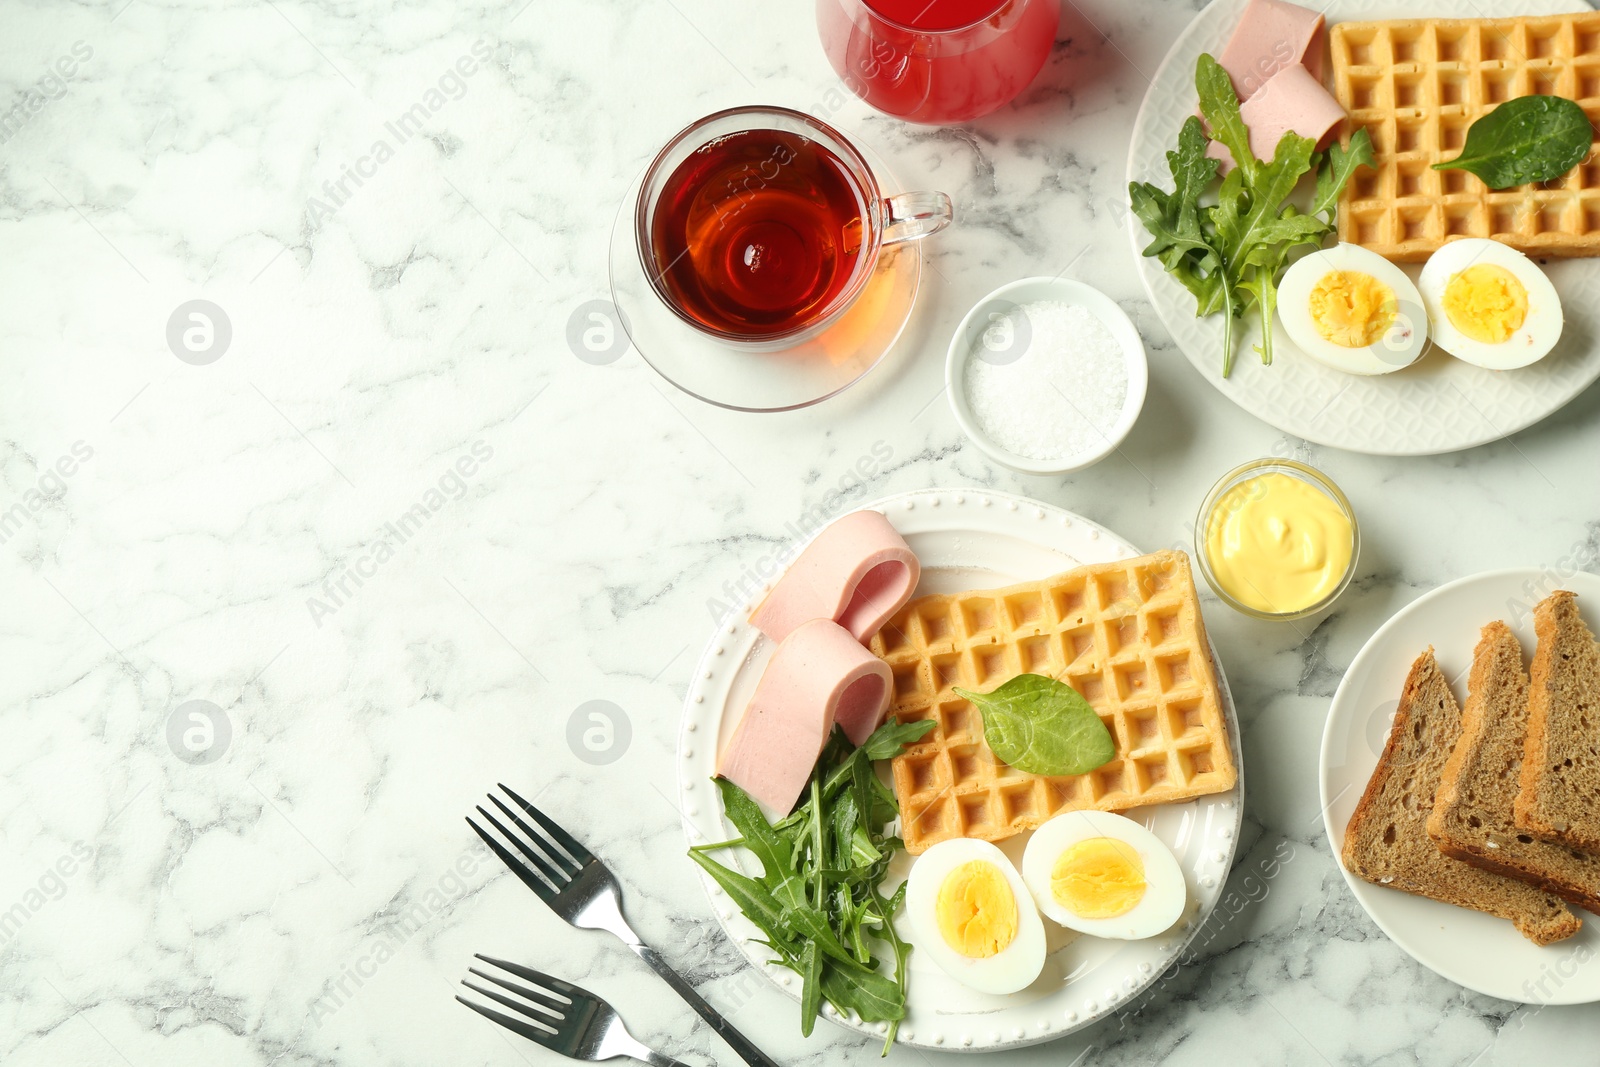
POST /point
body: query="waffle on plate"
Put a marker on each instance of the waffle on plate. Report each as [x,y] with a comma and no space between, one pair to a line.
[1128,636]
[1417,85]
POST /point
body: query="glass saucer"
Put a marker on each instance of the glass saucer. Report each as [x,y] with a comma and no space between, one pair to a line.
[797,377]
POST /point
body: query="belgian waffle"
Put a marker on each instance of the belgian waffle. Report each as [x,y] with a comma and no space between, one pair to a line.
[1127,635]
[1417,85]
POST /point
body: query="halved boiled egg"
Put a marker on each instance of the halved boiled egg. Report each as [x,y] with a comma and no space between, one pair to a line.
[971,913]
[1350,308]
[1104,875]
[1491,305]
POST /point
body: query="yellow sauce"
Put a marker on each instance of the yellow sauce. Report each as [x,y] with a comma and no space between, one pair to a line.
[1277,544]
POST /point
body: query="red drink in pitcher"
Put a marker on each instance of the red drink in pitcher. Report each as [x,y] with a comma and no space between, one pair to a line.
[937,61]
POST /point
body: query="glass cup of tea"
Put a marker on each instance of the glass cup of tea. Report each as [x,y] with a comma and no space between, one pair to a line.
[760,226]
[937,61]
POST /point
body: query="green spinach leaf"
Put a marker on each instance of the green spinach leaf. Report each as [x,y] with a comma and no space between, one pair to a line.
[1042,726]
[1529,139]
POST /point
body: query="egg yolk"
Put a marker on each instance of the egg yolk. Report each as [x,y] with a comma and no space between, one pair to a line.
[977,911]
[1351,309]
[1099,878]
[1487,303]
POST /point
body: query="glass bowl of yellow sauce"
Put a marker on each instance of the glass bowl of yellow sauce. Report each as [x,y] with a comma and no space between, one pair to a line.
[1277,539]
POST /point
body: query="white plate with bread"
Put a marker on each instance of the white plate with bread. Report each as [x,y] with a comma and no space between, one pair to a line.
[1461,763]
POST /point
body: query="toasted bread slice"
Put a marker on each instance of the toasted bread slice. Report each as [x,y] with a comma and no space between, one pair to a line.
[1387,841]
[1472,818]
[1560,795]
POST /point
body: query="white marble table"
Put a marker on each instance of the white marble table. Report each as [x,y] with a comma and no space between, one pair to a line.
[299,887]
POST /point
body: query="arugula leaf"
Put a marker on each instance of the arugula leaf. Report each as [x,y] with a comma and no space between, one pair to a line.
[810,988]
[886,910]
[1174,219]
[1525,140]
[846,820]
[817,901]
[1219,103]
[887,740]
[862,851]
[1261,282]
[1231,255]
[774,852]
[1246,218]
[877,999]
[1265,262]
[813,924]
[1336,170]
[819,855]
[1042,726]
[750,896]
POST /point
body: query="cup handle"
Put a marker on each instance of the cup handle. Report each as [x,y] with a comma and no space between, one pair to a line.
[913,216]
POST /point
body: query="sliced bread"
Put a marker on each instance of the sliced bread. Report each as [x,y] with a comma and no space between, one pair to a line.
[1559,799]
[1472,817]
[1387,841]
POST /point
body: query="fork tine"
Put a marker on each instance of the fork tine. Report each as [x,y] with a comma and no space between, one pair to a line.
[516,1026]
[562,838]
[551,1005]
[539,1014]
[518,868]
[550,982]
[555,856]
[557,873]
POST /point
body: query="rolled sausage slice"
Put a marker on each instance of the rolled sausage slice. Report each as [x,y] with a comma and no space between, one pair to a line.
[1292,99]
[820,674]
[858,572]
[1272,35]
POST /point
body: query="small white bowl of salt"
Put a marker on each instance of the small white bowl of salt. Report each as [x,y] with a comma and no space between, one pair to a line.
[1046,375]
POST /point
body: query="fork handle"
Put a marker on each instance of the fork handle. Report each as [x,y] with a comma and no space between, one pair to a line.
[725,1030]
[656,1059]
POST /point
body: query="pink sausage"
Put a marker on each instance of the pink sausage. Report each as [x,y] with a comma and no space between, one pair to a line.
[1290,100]
[820,674]
[858,572]
[1272,35]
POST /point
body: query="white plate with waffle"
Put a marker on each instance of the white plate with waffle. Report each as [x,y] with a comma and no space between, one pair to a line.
[1439,404]
[976,540]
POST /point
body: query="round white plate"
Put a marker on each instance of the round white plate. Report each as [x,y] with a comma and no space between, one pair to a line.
[1439,403]
[1469,948]
[969,539]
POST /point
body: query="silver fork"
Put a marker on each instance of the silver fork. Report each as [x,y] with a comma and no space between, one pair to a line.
[564,1018]
[579,888]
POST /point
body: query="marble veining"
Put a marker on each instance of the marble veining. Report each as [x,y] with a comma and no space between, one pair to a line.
[281,874]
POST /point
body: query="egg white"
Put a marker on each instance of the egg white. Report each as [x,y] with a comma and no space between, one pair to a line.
[1014,967]
[1531,343]
[1165,895]
[1401,346]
